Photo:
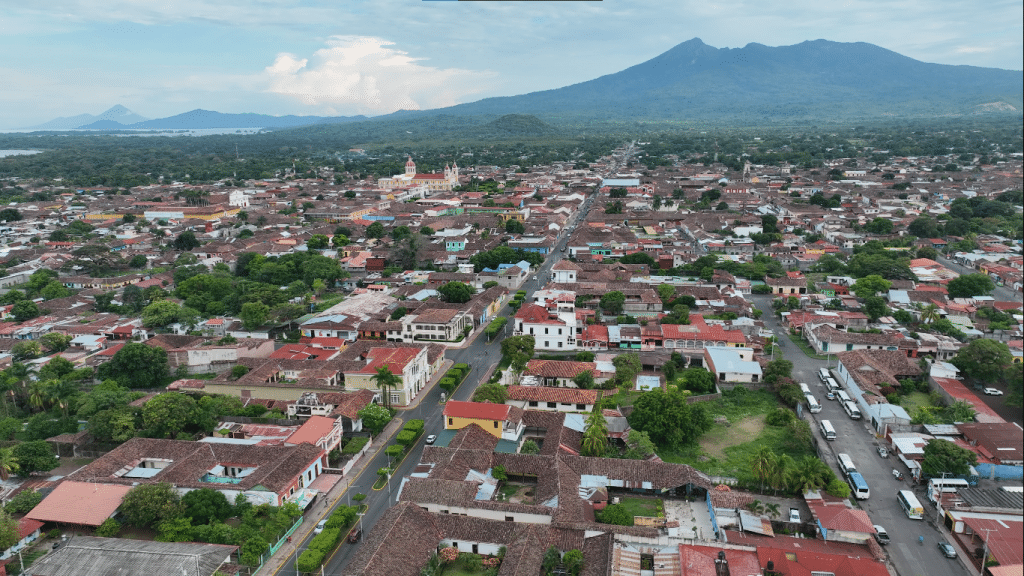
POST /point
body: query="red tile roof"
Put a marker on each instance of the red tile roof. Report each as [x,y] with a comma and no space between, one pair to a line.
[477,410]
[550,394]
[312,431]
[83,503]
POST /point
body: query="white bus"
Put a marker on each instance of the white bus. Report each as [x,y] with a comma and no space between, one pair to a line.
[843,397]
[939,485]
[852,410]
[805,389]
[832,384]
[827,431]
[859,486]
[812,404]
[823,375]
[910,505]
[846,464]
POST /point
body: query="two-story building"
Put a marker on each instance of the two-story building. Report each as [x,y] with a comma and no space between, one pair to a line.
[502,421]
[410,364]
[552,329]
[431,324]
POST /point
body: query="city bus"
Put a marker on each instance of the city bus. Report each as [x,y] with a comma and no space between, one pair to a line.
[812,404]
[910,505]
[827,431]
[859,486]
[846,464]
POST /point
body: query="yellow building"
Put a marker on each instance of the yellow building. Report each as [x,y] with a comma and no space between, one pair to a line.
[434,182]
[501,420]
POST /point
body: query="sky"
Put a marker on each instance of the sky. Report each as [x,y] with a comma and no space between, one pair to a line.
[347,57]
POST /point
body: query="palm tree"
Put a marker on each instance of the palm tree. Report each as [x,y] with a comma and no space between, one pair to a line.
[595,434]
[930,314]
[779,473]
[762,463]
[386,380]
[810,474]
[8,463]
[38,395]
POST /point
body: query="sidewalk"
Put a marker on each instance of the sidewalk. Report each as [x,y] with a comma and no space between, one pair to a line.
[430,385]
[327,502]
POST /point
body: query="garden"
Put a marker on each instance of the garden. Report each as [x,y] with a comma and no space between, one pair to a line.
[628,508]
[454,378]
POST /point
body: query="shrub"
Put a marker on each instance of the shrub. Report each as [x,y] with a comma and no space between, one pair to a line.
[447,384]
[460,366]
[355,445]
[326,540]
[449,554]
[310,560]
[472,562]
[887,390]
[780,417]
[414,425]
[615,514]
[406,438]
[761,289]
[54,534]
[454,373]
[108,529]
[394,451]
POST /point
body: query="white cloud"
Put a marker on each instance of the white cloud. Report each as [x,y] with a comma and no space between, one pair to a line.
[365,75]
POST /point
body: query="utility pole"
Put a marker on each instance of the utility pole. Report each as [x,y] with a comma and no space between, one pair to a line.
[984,553]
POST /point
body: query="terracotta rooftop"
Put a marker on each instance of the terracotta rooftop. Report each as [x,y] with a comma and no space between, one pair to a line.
[82,503]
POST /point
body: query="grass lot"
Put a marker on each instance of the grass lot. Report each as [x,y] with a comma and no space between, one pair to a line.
[642,506]
[726,450]
[912,401]
[458,568]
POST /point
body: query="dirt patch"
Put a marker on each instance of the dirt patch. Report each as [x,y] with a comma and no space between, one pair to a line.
[722,436]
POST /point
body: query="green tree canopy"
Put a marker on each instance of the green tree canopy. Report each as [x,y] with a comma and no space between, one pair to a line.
[147,505]
[870,286]
[668,420]
[494,393]
[456,292]
[983,360]
[970,285]
[160,314]
[136,365]
[612,303]
[943,456]
[35,456]
[375,417]
[206,505]
[167,415]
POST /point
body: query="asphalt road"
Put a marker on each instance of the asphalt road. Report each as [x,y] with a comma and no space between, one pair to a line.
[855,438]
[481,356]
[1001,293]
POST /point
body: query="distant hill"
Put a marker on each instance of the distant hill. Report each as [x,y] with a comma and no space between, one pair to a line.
[208,119]
[814,80]
[117,116]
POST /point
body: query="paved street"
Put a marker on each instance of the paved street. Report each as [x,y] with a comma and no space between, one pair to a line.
[481,357]
[855,438]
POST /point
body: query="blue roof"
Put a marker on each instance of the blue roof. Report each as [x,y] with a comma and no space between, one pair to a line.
[626,182]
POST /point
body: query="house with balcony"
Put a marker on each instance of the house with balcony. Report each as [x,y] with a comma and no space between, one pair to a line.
[409,363]
[430,324]
[552,327]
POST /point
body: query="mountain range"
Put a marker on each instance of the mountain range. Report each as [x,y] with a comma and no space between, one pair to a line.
[812,81]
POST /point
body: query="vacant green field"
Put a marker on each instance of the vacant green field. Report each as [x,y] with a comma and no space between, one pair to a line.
[726,450]
[914,400]
[642,506]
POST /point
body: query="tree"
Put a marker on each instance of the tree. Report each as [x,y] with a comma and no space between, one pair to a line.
[147,505]
[639,445]
[879,226]
[23,502]
[810,473]
[386,380]
[24,310]
[595,434]
[136,365]
[667,418]
[777,369]
[118,424]
[456,292]
[518,345]
[493,393]
[10,215]
[960,411]
[875,308]
[697,380]
[723,205]
[639,258]
[8,462]
[930,314]
[584,380]
[205,506]
[375,417]
[530,447]
[426,231]
[573,562]
[615,514]
[254,314]
[870,285]
[761,464]
[339,240]
[970,285]
[627,366]
[983,360]
[924,227]
[35,456]
[160,314]
[54,290]
[942,456]
[317,242]
[9,534]
[26,350]
[375,230]
[612,303]
[166,415]
[515,227]
[186,241]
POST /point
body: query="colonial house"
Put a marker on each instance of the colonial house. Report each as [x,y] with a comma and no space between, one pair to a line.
[431,324]
[547,398]
[502,421]
[551,329]
[827,339]
[410,364]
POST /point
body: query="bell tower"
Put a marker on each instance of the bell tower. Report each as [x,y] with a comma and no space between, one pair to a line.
[410,167]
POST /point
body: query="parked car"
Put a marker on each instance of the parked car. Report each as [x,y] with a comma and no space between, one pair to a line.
[320,526]
[431,439]
[947,550]
[355,535]
[897,474]
[830,395]
[993,391]
[794,515]
[881,535]
[883,452]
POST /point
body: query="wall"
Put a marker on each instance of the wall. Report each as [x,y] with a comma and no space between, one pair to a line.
[494,427]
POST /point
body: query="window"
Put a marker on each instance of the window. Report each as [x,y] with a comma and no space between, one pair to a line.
[580,407]
[559,331]
[559,343]
[533,403]
[449,421]
[552,405]
[395,399]
[510,519]
[545,330]
[495,423]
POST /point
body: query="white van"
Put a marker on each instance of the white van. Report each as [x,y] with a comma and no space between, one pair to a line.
[805,388]
[812,404]
[831,384]
[851,410]
[823,374]
[827,431]
[843,397]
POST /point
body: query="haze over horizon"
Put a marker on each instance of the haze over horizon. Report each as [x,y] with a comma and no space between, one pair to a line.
[373,58]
